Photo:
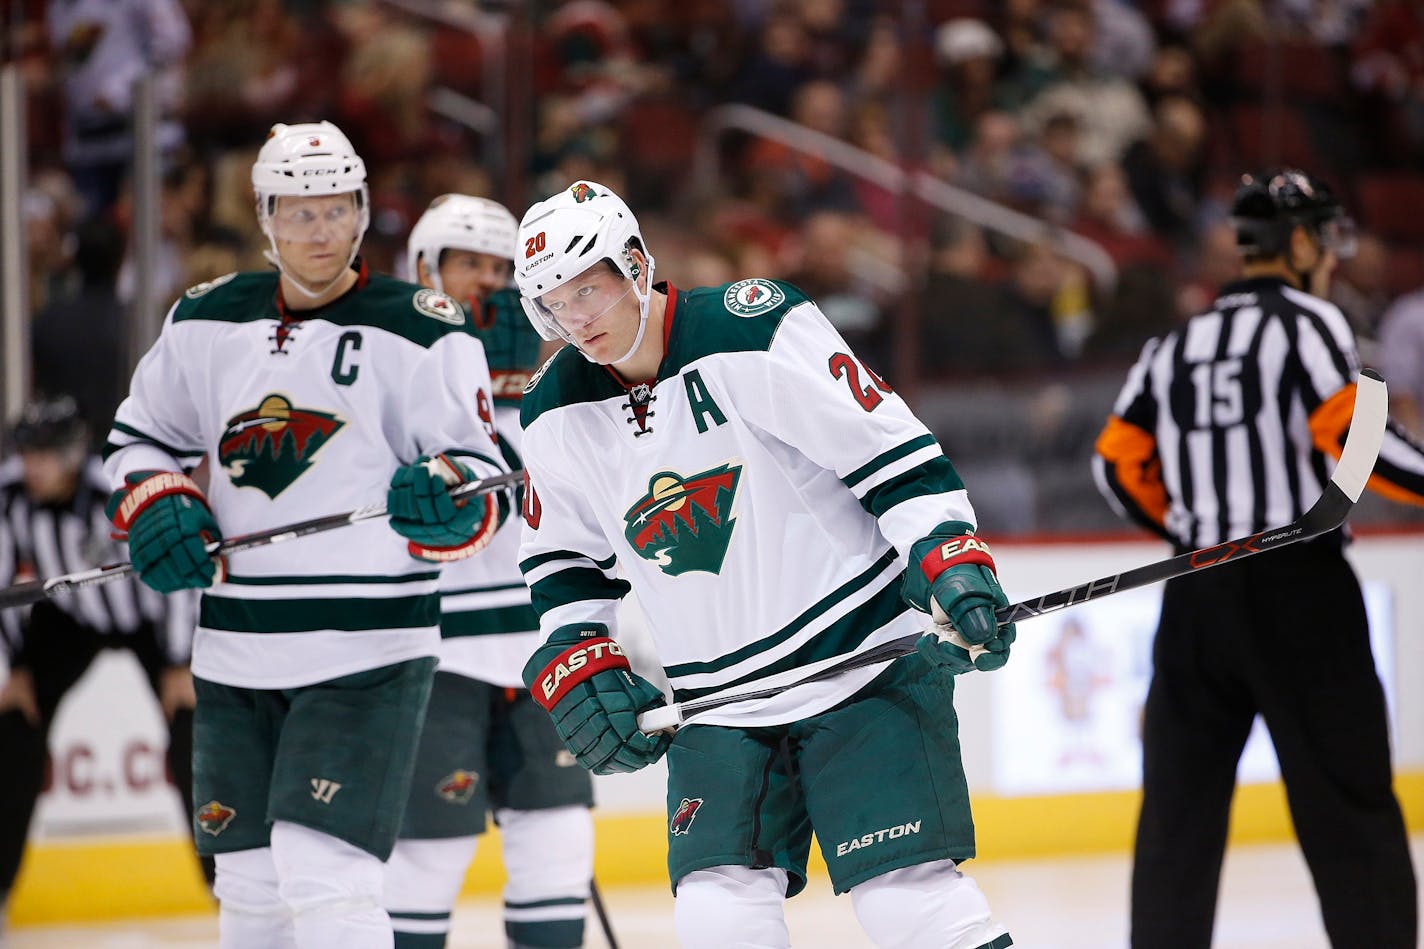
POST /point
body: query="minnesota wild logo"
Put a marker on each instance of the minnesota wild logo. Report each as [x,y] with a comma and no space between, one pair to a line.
[270,446]
[214,816]
[582,192]
[684,524]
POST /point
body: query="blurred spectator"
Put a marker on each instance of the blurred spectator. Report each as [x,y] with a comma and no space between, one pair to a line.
[49,238]
[1051,170]
[798,182]
[827,273]
[1217,263]
[1114,111]
[1025,327]
[1109,215]
[1388,65]
[105,46]
[95,373]
[1360,288]
[1124,44]
[1401,354]
[967,52]
[960,331]
[1173,72]
[1165,170]
[777,68]
[991,163]
[383,89]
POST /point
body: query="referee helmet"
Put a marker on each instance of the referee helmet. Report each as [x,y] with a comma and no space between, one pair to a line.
[49,423]
[1269,206]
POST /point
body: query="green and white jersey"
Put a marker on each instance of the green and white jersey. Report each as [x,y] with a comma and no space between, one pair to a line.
[759,495]
[488,627]
[300,417]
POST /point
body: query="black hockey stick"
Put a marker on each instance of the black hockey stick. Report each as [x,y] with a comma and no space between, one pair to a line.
[602,913]
[23,593]
[1357,461]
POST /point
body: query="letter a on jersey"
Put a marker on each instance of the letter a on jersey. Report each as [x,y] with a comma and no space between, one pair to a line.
[271,446]
[685,524]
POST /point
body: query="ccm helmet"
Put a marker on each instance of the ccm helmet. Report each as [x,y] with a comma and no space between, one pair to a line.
[307,160]
[1270,205]
[565,235]
[459,222]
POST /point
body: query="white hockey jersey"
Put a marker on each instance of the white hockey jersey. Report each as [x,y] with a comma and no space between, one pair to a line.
[301,417]
[759,495]
[488,626]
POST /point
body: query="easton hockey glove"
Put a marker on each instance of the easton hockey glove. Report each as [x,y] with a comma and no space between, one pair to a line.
[583,680]
[951,577]
[437,526]
[169,526]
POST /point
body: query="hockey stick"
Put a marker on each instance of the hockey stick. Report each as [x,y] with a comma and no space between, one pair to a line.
[34,590]
[1357,461]
[602,913]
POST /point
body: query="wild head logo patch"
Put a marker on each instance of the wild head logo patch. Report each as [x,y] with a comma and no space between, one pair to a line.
[270,446]
[750,297]
[458,786]
[685,524]
[582,192]
[683,817]
[214,816]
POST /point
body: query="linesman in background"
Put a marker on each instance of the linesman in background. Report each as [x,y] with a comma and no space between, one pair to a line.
[52,522]
[1228,426]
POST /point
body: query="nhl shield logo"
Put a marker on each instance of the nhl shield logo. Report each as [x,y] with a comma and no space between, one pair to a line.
[214,816]
[271,446]
[683,817]
[684,524]
[458,786]
[751,297]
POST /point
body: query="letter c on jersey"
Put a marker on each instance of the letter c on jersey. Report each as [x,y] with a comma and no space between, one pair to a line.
[343,367]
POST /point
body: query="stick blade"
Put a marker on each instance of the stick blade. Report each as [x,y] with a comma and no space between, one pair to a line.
[1362,445]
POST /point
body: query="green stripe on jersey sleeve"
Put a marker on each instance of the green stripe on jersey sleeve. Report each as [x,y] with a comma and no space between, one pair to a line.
[936,476]
[886,458]
[575,585]
[111,446]
[307,615]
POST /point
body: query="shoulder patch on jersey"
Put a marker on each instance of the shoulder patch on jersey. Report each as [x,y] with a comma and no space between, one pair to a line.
[199,289]
[435,304]
[753,296]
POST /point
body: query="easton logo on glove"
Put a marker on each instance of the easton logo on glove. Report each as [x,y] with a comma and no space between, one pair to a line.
[967,549]
[574,665]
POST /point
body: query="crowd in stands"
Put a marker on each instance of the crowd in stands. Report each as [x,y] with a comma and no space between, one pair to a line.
[1125,122]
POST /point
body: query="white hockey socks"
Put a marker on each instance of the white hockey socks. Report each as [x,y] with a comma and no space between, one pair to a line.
[332,888]
[250,910]
[548,856]
[423,880]
[732,908]
[928,906]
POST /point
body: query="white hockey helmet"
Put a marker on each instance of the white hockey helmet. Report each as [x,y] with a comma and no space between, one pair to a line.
[565,235]
[303,160]
[459,222]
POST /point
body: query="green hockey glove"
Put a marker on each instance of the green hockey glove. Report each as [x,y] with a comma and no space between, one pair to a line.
[169,526]
[951,577]
[583,680]
[437,526]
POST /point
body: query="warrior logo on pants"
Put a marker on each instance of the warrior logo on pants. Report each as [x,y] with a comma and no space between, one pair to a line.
[686,812]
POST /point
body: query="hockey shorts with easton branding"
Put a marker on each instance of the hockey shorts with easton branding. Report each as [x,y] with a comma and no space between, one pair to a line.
[878,777]
[486,747]
[336,756]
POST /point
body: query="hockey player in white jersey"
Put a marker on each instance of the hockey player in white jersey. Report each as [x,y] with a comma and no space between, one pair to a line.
[776,507]
[312,389]
[486,745]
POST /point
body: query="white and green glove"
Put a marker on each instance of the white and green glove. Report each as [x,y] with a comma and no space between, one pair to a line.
[952,578]
[438,527]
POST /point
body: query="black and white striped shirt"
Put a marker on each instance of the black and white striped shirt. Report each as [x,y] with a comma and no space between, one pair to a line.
[1228,426]
[39,541]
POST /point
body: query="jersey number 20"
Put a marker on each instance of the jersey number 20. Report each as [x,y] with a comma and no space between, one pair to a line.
[844,366]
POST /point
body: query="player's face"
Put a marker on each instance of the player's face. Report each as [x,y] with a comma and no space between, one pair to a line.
[315,235]
[598,309]
[472,277]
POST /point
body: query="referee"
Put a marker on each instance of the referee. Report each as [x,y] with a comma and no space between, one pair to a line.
[52,522]
[1226,427]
